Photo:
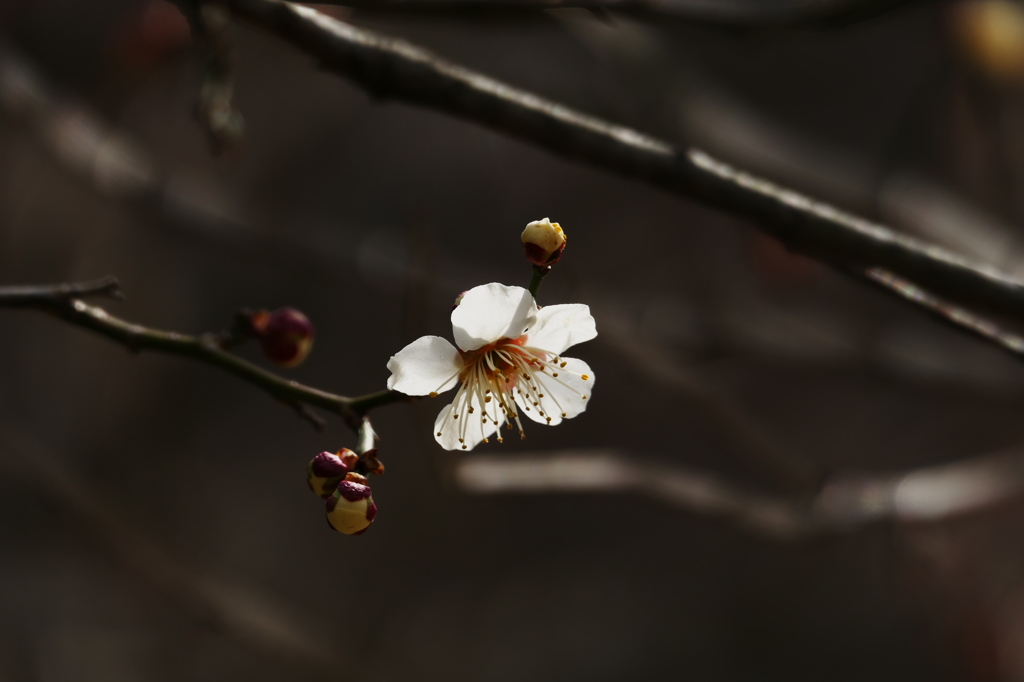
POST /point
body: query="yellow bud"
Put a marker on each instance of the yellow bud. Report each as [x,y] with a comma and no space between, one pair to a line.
[350,510]
[544,242]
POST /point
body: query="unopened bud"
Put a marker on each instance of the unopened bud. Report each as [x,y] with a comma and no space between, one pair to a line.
[544,242]
[350,510]
[327,469]
[286,335]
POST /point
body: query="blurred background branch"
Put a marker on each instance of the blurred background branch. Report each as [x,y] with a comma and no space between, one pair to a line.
[722,14]
[846,503]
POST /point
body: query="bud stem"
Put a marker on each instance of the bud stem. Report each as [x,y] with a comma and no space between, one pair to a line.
[539,272]
[366,437]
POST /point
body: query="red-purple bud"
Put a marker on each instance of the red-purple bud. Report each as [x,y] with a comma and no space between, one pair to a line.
[286,335]
[326,470]
[350,509]
[544,242]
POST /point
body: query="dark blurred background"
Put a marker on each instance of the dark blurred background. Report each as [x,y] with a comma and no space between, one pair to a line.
[154,518]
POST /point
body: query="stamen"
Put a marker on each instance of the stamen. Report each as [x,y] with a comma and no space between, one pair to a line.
[433,394]
[584,377]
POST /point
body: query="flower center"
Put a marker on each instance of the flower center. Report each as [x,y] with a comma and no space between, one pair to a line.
[493,376]
[498,363]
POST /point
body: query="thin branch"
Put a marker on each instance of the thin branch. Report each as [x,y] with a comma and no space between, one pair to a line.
[31,296]
[215,110]
[390,68]
[59,300]
[846,503]
[756,15]
[957,317]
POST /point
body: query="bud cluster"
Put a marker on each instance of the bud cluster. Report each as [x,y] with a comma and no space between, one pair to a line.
[336,478]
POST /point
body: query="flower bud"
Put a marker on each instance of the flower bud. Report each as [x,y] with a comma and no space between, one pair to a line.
[544,242]
[286,335]
[350,510]
[326,470]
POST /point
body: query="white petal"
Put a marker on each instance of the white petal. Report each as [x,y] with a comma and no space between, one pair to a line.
[491,312]
[563,395]
[426,365]
[470,428]
[560,326]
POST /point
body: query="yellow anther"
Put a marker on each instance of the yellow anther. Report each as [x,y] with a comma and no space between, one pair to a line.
[433,394]
[563,364]
[582,376]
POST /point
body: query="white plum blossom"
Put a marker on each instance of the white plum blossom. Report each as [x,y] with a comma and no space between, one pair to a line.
[508,364]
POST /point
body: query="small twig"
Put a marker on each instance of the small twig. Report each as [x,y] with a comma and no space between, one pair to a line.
[306,412]
[846,503]
[215,110]
[30,296]
[390,68]
[56,300]
[957,317]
